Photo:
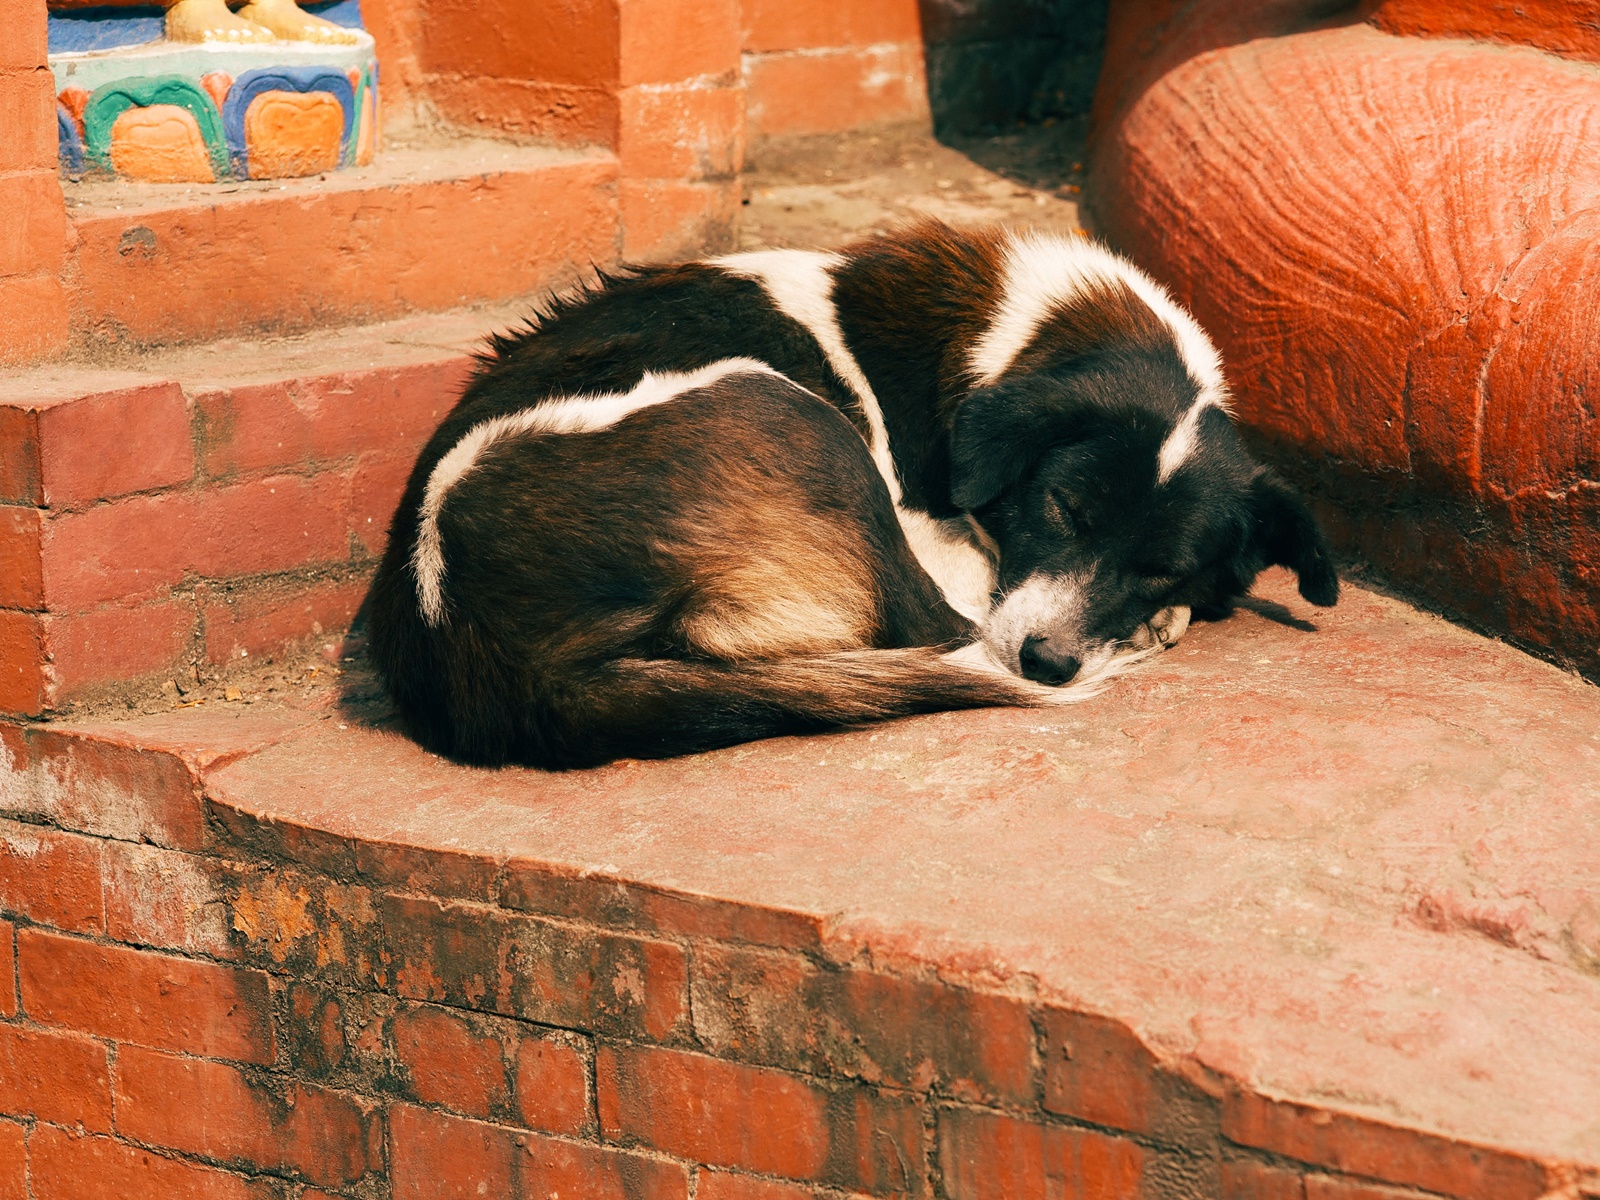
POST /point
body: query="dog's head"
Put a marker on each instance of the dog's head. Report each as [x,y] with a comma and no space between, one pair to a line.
[1115,488]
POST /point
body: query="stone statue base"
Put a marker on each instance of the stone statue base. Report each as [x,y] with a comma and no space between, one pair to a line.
[203,111]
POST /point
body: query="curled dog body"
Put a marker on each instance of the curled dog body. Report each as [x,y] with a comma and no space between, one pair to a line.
[787,491]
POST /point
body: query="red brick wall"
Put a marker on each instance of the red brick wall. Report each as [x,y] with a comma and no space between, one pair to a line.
[197,1004]
[825,66]
[658,81]
[144,527]
[33,311]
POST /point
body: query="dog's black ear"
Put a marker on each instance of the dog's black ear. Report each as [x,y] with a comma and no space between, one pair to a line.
[1287,535]
[994,439]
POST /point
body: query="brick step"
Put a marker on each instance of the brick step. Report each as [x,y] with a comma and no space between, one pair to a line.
[1295,911]
[208,504]
[426,227]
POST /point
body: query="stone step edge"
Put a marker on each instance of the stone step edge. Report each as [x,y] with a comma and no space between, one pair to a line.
[212,504]
[295,258]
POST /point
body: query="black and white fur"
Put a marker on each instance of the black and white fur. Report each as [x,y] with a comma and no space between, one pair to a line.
[786,491]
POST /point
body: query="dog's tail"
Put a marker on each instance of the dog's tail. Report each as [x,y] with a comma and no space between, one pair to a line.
[653,708]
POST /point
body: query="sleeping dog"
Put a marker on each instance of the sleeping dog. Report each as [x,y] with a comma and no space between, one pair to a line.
[786,491]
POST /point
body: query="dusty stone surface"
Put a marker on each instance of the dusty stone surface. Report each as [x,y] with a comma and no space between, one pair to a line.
[1345,858]
[808,192]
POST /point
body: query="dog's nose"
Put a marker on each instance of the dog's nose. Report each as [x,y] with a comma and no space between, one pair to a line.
[1041,666]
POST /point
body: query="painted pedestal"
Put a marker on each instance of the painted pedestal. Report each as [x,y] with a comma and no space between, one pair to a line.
[145,108]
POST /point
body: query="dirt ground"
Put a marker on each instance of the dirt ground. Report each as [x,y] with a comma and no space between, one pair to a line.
[826,191]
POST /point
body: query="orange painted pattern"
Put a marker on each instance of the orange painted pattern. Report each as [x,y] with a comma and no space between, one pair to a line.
[160,144]
[293,133]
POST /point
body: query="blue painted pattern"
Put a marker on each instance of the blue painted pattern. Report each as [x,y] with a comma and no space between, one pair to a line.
[105,28]
[282,79]
[71,143]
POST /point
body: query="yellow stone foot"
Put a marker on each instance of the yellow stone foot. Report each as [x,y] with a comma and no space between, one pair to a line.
[210,21]
[286,21]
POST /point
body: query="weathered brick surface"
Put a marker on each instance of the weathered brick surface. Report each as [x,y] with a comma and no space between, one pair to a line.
[27,100]
[441,873]
[258,619]
[667,41]
[815,24]
[22,681]
[762,1120]
[1096,1070]
[781,1009]
[795,93]
[301,421]
[167,899]
[435,1157]
[341,1038]
[67,1166]
[307,924]
[26,40]
[102,788]
[1365,1148]
[425,244]
[554,974]
[552,1086]
[664,219]
[1334,1187]
[149,999]
[63,1078]
[34,237]
[1246,1179]
[21,575]
[587,1038]
[621,905]
[682,132]
[139,546]
[13,1161]
[94,651]
[262,1121]
[492,1069]
[374,486]
[20,472]
[33,309]
[728,1185]
[107,444]
[51,877]
[8,969]
[987,1156]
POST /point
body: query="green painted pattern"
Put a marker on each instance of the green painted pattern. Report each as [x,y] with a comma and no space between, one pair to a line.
[362,84]
[111,101]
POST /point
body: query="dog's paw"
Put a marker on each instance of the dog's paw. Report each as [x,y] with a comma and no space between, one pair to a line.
[1163,629]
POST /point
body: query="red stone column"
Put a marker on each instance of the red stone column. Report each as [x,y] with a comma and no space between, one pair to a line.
[1393,239]
[826,66]
[681,107]
[657,81]
[33,223]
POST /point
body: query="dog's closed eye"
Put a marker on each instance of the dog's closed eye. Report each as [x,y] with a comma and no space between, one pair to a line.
[1067,512]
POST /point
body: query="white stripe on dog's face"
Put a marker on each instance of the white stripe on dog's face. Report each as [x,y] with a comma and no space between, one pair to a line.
[1179,445]
[573,414]
[1043,271]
